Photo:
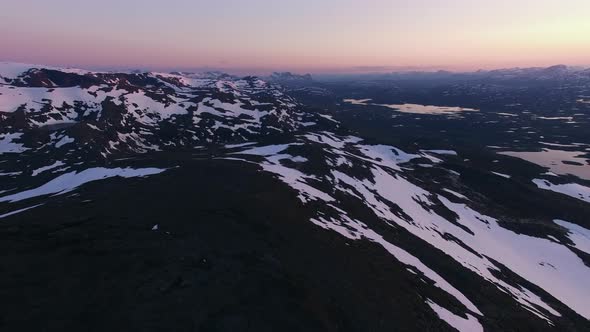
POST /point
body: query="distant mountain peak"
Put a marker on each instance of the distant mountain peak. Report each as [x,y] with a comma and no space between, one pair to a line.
[288,76]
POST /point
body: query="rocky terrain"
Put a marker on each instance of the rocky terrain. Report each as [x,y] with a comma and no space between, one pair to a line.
[155,201]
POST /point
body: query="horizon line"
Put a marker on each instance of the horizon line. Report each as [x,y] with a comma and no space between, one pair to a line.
[253,70]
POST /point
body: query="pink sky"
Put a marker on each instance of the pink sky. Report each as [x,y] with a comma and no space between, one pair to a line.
[302,36]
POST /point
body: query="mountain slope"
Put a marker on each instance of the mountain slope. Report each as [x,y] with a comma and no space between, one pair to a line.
[239,201]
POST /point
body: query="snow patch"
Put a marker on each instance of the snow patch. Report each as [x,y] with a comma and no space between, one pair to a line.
[7,144]
[574,190]
[469,324]
[506,176]
[63,141]
[46,168]
[18,211]
[70,181]
[579,235]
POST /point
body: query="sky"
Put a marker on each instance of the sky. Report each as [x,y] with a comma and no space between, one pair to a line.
[314,36]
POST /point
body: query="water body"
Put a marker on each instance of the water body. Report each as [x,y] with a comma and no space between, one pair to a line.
[357,101]
[414,108]
[558,161]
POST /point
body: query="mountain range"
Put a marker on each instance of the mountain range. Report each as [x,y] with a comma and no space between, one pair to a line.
[150,201]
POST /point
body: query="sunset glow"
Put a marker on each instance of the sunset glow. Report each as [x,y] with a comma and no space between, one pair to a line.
[304,35]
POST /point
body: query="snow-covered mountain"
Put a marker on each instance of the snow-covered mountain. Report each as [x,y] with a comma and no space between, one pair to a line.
[61,129]
[140,111]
